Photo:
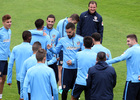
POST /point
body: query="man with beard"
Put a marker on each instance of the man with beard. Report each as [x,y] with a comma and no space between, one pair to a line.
[70,44]
[54,35]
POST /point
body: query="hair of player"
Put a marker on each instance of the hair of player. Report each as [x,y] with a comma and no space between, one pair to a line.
[39,23]
[132,36]
[96,36]
[101,56]
[26,35]
[75,17]
[41,53]
[36,46]
[6,17]
[88,41]
[70,25]
[51,16]
[92,2]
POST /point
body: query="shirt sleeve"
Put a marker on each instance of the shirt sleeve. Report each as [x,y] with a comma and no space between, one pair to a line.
[57,49]
[33,32]
[100,29]
[124,56]
[89,78]
[22,76]
[52,61]
[25,86]
[54,85]
[10,67]
[78,30]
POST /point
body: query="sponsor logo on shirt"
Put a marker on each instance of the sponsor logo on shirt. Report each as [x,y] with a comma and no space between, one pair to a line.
[73,48]
[6,40]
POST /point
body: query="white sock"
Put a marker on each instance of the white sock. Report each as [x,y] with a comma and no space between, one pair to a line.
[0,96]
[60,87]
[52,98]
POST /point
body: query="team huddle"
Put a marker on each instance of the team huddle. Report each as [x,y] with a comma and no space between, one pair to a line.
[73,58]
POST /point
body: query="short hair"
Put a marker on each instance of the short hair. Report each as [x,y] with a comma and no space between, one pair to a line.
[26,35]
[6,17]
[51,16]
[36,46]
[39,23]
[101,56]
[88,41]
[41,53]
[75,17]
[92,2]
[132,36]
[96,36]
[70,25]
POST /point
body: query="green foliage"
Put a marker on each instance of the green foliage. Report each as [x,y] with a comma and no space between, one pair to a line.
[120,17]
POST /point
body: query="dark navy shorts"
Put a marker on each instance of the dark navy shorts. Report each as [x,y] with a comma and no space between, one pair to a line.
[18,85]
[3,68]
[60,58]
[68,78]
[131,91]
[78,89]
[55,69]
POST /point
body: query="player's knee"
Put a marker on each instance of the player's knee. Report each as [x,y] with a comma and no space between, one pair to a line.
[3,80]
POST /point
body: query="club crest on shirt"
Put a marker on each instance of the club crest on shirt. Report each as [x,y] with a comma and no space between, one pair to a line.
[78,43]
[61,62]
[95,19]
[53,36]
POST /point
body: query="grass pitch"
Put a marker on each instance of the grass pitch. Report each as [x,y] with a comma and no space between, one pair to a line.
[120,18]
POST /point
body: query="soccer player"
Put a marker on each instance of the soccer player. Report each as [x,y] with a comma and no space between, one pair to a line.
[54,36]
[61,27]
[84,60]
[90,21]
[131,55]
[5,38]
[19,54]
[40,78]
[70,44]
[101,79]
[99,47]
[28,63]
[36,34]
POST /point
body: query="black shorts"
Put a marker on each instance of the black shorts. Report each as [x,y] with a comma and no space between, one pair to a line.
[68,78]
[3,68]
[55,68]
[60,58]
[78,89]
[18,85]
[131,91]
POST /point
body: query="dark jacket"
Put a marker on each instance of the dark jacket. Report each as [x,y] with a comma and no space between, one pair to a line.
[90,23]
[101,81]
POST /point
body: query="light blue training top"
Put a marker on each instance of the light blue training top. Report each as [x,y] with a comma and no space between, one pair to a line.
[5,39]
[132,57]
[41,79]
[19,54]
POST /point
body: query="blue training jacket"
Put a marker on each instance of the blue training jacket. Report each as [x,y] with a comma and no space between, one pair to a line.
[90,23]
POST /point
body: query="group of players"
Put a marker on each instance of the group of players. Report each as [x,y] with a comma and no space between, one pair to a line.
[83,63]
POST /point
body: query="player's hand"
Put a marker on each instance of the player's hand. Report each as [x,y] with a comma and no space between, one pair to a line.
[9,84]
[58,59]
[49,46]
[69,62]
[21,99]
[107,55]
[139,77]
[44,34]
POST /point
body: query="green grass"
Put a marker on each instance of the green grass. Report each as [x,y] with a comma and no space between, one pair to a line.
[120,17]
